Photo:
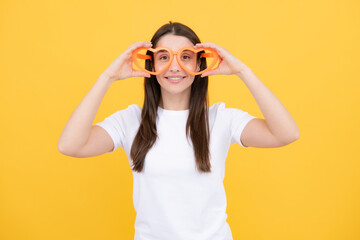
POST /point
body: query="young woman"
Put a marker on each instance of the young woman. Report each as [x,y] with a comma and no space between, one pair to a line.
[176,144]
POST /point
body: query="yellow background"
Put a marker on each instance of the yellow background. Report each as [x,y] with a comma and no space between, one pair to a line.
[305,52]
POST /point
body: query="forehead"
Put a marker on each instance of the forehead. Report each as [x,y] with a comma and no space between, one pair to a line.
[174,42]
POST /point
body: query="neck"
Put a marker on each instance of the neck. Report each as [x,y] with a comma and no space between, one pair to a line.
[175,102]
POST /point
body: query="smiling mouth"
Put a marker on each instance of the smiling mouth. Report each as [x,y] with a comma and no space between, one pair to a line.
[175,78]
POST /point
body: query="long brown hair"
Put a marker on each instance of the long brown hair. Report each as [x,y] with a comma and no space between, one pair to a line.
[197,122]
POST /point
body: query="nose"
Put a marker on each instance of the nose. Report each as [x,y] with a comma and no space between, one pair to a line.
[174,66]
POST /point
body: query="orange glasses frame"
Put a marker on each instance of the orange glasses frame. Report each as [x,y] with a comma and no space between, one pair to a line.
[136,55]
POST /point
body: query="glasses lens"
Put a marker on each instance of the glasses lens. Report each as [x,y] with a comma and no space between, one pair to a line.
[161,59]
[190,58]
[141,59]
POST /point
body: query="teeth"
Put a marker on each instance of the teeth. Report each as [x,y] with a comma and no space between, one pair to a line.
[175,78]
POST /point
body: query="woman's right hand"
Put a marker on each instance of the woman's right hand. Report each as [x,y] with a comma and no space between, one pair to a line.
[122,67]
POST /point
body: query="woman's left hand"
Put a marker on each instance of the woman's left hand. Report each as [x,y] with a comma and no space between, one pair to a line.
[228,63]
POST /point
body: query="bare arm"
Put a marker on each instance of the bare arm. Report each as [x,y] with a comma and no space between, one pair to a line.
[278,120]
[77,129]
[79,137]
[278,128]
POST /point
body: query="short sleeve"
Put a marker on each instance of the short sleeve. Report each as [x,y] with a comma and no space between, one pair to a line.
[116,124]
[237,120]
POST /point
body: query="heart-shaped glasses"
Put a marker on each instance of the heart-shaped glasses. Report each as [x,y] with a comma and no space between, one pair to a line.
[161,58]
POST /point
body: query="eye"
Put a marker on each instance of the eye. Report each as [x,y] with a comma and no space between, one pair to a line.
[186,57]
[162,58]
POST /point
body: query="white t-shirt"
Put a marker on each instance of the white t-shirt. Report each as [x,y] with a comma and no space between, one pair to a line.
[171,198]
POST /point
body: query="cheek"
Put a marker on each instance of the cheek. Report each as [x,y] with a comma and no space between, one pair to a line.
[193,66]
[159,66]
[190,79]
